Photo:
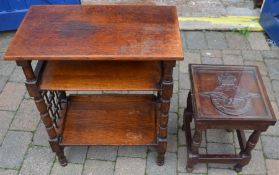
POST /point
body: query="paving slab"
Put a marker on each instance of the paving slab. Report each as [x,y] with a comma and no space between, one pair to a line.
[219,135]
[215,171]
[76,154]
[195,40]
[13,149]
[272,66]
[256,164]
[102,152]
[40,137]
[70,169]
[257,41]
[6,118]
[172,125]
[3,81]
[270,147]
[98,167]
[11,96]
[216,40]
[237,41]
[272,166]
[169,167]
[8,172]
[182,159]
[128,166]
[39,160]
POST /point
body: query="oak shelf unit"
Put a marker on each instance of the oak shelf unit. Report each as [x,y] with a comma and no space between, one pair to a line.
[100,48]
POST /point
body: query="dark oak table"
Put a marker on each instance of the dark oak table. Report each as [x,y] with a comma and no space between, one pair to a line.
[226,97]
[100,47]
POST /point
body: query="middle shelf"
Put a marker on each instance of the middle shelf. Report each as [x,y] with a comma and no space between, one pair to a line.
[101,75]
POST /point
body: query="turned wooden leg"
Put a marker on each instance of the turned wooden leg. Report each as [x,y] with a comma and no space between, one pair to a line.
[193,150]
[246,153]
[188,112]
[166,93]
[33,90]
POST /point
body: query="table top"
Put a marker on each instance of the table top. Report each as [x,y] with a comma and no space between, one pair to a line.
[230,92]
[98,32]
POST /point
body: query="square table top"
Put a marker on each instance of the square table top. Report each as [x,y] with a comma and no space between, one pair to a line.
[230,92]
[98,32]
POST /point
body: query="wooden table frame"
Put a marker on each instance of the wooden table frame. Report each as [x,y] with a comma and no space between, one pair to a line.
[100,48]
[225,81]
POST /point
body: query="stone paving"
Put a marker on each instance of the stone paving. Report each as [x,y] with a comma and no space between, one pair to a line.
[23,141]
[195,8]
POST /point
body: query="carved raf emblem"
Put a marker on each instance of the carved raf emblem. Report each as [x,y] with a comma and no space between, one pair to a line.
[228,97]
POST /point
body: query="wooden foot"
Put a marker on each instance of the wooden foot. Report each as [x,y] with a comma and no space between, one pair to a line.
[160,159]
[62,159]
[238,168]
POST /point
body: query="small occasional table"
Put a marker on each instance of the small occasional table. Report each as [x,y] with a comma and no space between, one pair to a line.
[100,48]
[226,97]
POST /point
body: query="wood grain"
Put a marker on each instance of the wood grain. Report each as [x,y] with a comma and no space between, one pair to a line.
[101,75]
[110,120]
[98,32]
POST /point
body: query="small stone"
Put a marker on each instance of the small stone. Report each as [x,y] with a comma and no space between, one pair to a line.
[272,67]
[211,53]
[260,65]
[236,41]
[7,67]
[132,151]
[13,149]
[6,118]
[214,171]
[232,60]
[256,164]
[76,154]
[70,169]
[218,135]
[39,160]
[172,143]
[270,146]
[182,159]
[257,41]
[210,60]
[195,40]
[7,172]
[272,166]
[3,81]
[169,168]
[128,166]
[102,152]
[216,40]
[11,96]
[252,55]
[98,167]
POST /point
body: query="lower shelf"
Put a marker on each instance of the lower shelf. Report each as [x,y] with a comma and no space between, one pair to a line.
[110,120]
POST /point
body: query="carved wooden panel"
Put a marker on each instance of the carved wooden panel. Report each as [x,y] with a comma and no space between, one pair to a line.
[229,91]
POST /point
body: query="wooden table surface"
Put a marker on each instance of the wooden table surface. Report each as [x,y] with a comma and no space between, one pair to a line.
[99,32]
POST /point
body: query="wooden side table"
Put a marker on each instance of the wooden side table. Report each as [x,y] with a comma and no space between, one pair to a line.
[100,47]
[226,97]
